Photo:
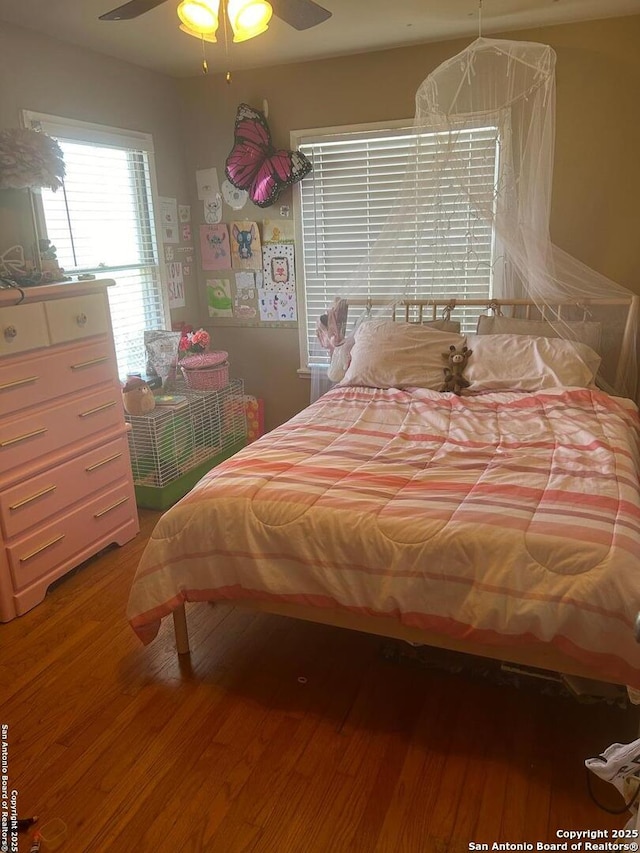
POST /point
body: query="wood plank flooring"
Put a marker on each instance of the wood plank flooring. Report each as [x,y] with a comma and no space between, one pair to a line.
[276,736]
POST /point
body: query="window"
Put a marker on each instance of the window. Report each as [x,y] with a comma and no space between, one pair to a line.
[101,222]
[343,204]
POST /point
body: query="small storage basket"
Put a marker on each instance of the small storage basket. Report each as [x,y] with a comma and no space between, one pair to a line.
[206,372]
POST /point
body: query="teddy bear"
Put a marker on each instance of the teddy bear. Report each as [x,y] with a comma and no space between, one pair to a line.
[137,397]
[453,378]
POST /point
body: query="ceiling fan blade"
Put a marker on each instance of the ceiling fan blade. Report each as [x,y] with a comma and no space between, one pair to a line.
[300,14]
[130,10]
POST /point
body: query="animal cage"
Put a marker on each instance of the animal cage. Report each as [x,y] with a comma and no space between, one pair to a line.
[174,445]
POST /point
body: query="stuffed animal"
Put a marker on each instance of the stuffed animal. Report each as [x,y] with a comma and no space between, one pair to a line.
[453,378]
[137,397]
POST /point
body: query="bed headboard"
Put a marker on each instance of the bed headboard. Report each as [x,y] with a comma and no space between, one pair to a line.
[617,352]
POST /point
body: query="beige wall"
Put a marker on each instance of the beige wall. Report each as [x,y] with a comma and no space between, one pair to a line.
[44,75]
[597,177]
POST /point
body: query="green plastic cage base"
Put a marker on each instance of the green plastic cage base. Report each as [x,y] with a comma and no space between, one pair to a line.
[162,497]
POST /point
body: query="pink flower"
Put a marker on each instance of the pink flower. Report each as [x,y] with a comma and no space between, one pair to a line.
[194,342]
[200,338]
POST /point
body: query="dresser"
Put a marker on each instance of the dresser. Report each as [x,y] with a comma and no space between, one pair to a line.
[66,488]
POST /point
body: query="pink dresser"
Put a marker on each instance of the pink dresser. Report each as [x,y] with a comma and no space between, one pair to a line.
[66,488]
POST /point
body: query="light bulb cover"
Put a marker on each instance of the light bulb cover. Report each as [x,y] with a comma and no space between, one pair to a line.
[248,18]
[199,17]
[209,37]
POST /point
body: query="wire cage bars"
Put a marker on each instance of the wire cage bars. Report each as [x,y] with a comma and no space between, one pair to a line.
[171,440]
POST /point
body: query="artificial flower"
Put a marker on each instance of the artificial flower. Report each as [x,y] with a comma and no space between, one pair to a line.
[194,342]
[29,158]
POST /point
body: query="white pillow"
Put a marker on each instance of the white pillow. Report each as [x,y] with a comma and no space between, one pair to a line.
[585,331]
[443,325]
[399,355]
[529,363]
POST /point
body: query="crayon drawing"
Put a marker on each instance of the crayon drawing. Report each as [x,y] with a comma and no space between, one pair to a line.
[219,300]
[214,247]
[246,250]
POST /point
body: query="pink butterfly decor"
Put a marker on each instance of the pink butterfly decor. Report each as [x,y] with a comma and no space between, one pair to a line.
[255,165]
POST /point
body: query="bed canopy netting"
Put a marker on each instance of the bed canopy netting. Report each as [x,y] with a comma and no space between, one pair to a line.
[504,90]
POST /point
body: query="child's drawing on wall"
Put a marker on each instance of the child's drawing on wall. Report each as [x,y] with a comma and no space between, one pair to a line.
[246,251]
[219,300]
[214,247]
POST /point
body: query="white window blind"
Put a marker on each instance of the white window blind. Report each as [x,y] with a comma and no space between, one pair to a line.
[345,202]
[101,221]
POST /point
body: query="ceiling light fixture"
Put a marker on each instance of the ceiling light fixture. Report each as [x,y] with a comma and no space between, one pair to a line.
[199,17]
[210,37]
[248,18]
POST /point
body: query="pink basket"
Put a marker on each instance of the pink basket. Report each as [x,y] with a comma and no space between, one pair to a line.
[206,372]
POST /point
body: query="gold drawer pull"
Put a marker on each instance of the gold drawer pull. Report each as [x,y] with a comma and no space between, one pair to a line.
[42,548]
[89,363]
[10,333]
[18,382]
[97,409]
[103,462]
[24,437]
[33,497]
[109,508]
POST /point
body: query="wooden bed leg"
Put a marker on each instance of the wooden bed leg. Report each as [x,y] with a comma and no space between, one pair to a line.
[180,628]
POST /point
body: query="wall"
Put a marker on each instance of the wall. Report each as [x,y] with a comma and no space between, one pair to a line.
[44,75]
[596,179]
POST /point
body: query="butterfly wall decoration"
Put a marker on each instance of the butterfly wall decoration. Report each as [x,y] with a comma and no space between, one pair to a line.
[255,165]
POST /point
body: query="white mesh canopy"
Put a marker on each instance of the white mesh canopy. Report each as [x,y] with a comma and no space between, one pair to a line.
[446,208]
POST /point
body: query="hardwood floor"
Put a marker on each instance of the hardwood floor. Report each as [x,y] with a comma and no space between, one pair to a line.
[276,735]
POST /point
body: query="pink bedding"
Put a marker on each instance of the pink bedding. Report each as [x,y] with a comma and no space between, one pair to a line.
[498,518]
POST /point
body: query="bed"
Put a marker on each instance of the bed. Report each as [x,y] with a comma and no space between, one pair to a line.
[504,522]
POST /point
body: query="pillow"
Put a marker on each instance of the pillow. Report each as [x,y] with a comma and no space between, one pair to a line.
[398,355]
[529,363]
[585,332]
[443,325]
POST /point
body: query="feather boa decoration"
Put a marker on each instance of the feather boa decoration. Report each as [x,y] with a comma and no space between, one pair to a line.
[29,158]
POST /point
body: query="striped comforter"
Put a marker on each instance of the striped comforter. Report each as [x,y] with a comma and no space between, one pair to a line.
[501,517]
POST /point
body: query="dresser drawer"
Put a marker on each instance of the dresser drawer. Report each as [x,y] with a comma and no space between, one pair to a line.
[77,317]
[42,552]
[23,327]
[30,380]
[37,499]
[51,429]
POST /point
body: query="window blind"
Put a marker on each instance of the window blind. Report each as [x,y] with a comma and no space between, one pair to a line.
[101,222]
[345,202]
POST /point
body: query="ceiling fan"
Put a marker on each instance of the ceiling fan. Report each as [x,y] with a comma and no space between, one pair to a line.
[299,14]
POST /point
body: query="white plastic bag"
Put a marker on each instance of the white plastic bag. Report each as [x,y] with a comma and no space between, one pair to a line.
[619,764]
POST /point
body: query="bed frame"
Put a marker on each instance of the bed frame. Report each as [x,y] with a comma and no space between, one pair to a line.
[542,656]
